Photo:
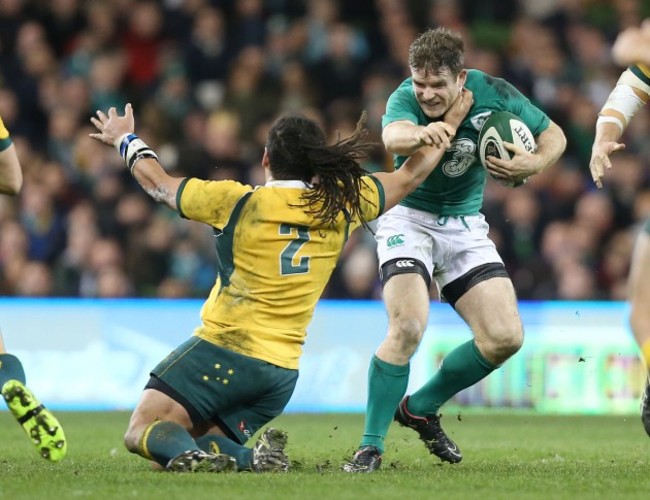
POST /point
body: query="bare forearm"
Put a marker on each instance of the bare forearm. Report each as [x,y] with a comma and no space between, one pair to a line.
[401,138]
[607,132]
[550,145]
[404,138]
[421,163]
[410,175]
[155,182]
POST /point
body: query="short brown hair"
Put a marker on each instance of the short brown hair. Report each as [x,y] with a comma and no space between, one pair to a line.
[436,49]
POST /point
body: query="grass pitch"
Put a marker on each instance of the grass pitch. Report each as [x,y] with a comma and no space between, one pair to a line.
[505,456]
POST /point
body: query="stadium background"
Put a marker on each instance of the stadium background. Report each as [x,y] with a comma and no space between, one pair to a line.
[207,78]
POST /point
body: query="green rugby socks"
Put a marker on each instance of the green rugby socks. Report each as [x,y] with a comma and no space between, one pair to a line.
[386,386]
[461,368]
[11,369]
[213,443]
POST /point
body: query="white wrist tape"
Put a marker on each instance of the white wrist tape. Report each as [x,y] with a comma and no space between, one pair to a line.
[132,149]
[610,119]
[119,141]
[625,101]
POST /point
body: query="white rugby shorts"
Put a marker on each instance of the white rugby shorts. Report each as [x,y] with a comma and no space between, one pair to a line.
[449,246]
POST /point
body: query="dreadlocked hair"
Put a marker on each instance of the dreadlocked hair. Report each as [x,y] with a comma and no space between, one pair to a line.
[297,149]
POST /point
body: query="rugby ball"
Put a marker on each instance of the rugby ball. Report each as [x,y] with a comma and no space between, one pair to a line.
[500,127]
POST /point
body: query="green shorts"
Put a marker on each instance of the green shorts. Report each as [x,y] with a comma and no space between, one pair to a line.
[646,225]
[238,393]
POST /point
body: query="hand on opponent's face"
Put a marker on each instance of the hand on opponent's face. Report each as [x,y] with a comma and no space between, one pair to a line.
[441,133]
[460,107]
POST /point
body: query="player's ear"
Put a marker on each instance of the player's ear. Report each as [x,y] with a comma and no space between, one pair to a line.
[462,77]
[265,159]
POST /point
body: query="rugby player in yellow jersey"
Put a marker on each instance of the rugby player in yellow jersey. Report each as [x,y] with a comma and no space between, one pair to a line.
[632,91]
[277,246]
[41,426]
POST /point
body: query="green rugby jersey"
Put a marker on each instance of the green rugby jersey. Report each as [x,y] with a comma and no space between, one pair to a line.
[456,186]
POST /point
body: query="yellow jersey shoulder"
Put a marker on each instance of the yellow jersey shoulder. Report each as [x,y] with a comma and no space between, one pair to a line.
[211,202]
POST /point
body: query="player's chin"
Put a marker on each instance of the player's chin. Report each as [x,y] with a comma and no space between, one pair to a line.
[436,111]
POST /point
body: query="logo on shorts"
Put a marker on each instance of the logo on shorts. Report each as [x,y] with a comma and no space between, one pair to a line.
[405,263]
[243,428]
[395,240]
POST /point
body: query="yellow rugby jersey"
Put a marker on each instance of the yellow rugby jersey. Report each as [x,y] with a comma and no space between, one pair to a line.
[5,140]
[642,72]
[274,262]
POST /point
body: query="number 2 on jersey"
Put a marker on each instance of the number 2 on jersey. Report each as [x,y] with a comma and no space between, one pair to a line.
[287,265]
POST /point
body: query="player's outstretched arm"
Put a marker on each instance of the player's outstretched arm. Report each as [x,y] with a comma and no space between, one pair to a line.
[399,137]
[404,137]
[118,131]
[421,163]
[629,95]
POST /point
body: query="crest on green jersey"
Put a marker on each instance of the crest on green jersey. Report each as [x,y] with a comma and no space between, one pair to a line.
[479,119]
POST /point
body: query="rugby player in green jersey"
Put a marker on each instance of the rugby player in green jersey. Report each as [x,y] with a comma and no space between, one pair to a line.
[278,245]
[438,233]
[40,425]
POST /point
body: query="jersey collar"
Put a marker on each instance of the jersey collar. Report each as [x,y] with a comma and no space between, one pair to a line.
[288,184]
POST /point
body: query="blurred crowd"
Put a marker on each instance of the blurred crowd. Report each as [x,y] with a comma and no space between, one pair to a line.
[207,78]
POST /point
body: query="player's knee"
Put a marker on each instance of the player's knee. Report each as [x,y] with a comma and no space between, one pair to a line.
[132,439]
[406,333]
[500,345]
[512,342]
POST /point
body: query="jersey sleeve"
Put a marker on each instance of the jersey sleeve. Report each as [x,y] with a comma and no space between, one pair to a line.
[642,72]
[638,77]
[401,105]
[373,199]
[210,202]
[5,140]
